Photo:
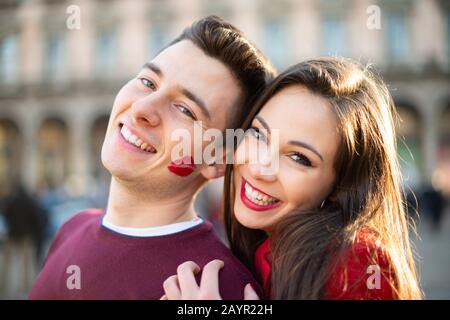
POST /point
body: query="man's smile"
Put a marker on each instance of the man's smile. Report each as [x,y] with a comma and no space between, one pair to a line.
[135,140]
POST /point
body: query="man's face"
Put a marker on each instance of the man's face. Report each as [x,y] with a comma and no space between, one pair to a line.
[179,86]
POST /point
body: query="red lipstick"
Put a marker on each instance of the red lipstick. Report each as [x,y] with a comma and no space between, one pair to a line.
[182,167]
[253,206]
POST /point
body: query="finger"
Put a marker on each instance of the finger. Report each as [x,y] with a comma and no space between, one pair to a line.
[209,284]
[164,297]
[186,278]
[249,293]
[172,288]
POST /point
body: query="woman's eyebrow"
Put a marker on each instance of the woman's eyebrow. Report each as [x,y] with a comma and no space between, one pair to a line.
[306,146]
[292,142]
[264,123]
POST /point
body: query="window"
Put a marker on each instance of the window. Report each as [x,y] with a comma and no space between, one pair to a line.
[9,59]
[55,56]
[159,38]
[274,42]
[53,152]
[105,57]
[396,36]
[333,36]
[10,152]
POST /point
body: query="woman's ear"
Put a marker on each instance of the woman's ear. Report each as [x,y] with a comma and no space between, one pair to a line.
[333,195]
[213,171]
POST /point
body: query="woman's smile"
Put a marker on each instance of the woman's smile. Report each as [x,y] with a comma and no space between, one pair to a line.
[256,199]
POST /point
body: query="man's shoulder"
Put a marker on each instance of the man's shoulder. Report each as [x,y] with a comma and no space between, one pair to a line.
[210,242]
[215,248]
[79,220]
[87,215]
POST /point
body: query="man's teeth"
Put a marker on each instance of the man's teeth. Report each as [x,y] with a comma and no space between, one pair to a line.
[131,138]
[258,197]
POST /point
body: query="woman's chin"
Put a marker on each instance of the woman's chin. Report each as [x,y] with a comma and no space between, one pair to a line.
[248,218]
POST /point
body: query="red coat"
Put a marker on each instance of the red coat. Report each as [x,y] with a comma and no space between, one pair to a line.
[357,268]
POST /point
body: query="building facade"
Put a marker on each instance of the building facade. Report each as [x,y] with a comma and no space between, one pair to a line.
[58,79]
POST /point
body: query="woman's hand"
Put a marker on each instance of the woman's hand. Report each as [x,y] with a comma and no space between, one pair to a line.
[183,285]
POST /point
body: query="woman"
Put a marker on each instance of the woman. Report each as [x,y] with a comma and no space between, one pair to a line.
[330,222]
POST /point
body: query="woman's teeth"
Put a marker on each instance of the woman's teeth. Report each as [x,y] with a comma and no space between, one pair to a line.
[258,197]
[134,140]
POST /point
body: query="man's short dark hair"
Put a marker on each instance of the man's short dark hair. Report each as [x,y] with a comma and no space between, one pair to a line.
[224,42]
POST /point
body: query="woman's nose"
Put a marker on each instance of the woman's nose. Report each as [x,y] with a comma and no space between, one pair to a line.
[262,169]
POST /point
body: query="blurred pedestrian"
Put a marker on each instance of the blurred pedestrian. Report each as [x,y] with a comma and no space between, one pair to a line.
[26,222]
[433,202]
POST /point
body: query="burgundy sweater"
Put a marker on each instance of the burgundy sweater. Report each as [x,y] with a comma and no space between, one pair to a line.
[114,266]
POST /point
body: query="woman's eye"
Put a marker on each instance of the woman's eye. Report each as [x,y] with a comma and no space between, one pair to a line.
[257,133]
[301,159]
[186,111]
[149,84]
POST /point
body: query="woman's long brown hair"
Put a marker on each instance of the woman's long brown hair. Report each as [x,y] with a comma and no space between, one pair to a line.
[307,245]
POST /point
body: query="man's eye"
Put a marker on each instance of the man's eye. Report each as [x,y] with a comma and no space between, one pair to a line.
[186,111]
[301,159]
[257,134]
[149,84]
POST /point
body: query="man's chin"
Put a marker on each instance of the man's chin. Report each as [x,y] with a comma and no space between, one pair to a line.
[120,171]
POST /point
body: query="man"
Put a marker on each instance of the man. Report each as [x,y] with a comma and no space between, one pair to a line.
[210,73]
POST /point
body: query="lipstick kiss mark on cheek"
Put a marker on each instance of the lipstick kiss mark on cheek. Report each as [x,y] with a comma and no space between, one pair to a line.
[182,167]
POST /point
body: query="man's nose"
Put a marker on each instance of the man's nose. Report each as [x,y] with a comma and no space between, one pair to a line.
[147,111]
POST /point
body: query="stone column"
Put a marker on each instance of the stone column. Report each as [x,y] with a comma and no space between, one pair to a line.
[247,19]
[305,30]
[79,139]
[132,37]
[365,41]
[81,43]
[29,126]
[30,14]
[185,12]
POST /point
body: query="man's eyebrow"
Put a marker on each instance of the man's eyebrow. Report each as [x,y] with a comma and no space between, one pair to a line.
[305,145]
[153,67]
[189,94]
[198,101]
[264,123]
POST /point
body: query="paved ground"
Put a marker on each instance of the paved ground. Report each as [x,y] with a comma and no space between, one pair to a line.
[433,265]
[434,259]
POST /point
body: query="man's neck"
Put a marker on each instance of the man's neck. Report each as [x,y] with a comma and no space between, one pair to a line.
[128,208]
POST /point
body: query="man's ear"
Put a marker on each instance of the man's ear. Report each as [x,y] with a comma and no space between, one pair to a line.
[213,171]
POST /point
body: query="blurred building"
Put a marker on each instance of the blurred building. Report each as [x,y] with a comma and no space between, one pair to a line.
[57,84]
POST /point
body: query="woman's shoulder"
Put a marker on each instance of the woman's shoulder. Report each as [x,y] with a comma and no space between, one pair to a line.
[363,271]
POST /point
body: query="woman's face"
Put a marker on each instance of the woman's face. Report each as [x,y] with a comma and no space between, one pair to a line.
[307,145]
